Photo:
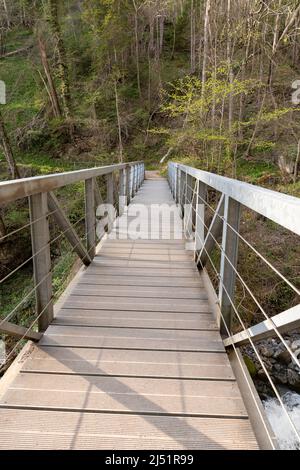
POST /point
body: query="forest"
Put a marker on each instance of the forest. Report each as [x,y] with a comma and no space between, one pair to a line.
[210,83]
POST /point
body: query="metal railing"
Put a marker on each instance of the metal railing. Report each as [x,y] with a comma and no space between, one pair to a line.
[122,183]
[221,232]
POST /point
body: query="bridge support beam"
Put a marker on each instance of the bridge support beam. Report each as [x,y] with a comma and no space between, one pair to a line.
[214,232]
[229,256]
[64,224]
[17,331]
[98,196]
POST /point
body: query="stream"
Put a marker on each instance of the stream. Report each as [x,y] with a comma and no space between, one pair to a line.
[287,439]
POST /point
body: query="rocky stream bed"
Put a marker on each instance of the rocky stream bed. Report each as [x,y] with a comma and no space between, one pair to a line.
[285,374]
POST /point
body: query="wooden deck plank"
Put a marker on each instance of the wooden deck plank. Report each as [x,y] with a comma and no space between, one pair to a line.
[112,249]
[146,304]
[73,430]
[126,394]
[184,365]
[147,281]
[141,263]
[144,256]
[151,333]
[135,319]
[172,340]
[168,272]
[137,315]
[140,292]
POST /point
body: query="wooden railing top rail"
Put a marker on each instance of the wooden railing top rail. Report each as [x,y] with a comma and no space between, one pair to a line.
[20,188]
[278,207]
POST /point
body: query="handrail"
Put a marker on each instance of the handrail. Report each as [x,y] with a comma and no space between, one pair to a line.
[43,204]
[189,187]
[20,188]
[281,208]
[190,190]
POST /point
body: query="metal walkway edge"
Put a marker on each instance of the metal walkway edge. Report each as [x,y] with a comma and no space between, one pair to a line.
[132,360]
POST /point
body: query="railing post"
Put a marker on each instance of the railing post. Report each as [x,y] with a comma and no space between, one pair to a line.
[136,185]
[122,189]
[138,178]
[181,192]
[178,186]
[110,198]
[174,171]
[188,220]
[142,173]
[128,184]
[200,215]
[110,188]
[40,240]
[131,182]
[139,173]
[229,256]
[170,178]
[90,217]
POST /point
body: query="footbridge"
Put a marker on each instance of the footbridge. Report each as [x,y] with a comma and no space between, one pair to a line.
[144,348]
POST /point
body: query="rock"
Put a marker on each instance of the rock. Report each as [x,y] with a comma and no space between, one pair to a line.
[297,354]
[278,362]
[295,345]
[284,356]
[281,376]
[281,348]
[293,379]
[261,374]
[265,351]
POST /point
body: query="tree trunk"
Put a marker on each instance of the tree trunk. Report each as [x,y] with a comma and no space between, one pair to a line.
[161,33]
[174,40]
[137,52]
[12,167]
[295,176]
[51,87]
[2,228]
[256,125]
[62,70]
[193,39]
[119,124]
[205,47]
[274,45]
[8,22]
